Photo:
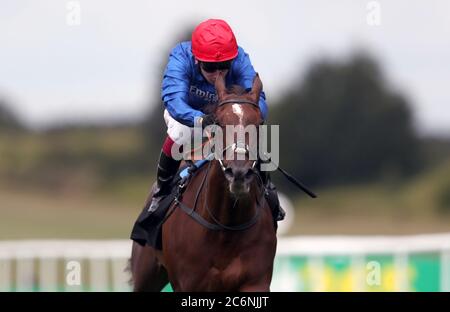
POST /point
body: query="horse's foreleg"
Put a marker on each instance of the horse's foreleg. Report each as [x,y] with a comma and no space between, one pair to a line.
[147,272]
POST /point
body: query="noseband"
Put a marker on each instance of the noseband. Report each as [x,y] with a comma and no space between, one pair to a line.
[239,148]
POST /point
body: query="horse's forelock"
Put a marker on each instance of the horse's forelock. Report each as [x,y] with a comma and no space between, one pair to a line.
[237,90]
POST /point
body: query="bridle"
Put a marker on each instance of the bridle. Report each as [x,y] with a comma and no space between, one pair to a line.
[239,148]
[237,101]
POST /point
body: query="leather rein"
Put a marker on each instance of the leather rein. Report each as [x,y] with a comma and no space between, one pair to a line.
[218,226]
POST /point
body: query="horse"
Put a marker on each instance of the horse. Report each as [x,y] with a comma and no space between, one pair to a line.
[220,235]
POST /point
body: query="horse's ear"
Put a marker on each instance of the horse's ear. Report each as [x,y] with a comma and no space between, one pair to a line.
[256,88]
[221,89]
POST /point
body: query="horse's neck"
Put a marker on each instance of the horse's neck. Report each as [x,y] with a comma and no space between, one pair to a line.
[222,204]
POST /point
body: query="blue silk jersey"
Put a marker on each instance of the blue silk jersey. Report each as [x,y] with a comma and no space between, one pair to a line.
[185,92]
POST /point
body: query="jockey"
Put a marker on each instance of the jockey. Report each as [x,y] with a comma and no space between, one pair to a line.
[188,89]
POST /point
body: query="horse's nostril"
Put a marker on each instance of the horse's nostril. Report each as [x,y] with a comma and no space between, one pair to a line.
[228,173]
[239,175]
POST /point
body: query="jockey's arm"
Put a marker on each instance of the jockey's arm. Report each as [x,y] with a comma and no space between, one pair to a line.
[175,88]
[245,73]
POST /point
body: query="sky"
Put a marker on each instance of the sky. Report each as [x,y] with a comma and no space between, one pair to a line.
[103,61]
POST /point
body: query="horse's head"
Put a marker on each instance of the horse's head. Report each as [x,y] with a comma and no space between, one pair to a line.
[240,110]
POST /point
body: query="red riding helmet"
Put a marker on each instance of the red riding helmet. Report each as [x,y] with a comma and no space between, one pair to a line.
[214,41]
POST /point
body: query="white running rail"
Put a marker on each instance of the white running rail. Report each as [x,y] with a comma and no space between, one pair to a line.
[97,265]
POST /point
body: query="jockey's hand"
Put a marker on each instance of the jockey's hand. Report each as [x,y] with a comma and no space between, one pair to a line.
[207,120]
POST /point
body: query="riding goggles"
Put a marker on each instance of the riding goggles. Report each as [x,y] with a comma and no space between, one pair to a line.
[211,67]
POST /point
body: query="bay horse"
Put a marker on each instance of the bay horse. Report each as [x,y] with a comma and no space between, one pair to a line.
[220,236]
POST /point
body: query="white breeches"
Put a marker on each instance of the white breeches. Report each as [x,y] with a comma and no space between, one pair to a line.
[178,132]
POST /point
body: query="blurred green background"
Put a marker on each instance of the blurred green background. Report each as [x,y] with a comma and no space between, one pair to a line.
[358,88]
[347,130]
[344,132]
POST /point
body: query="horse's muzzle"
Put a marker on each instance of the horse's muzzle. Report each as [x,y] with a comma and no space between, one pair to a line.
[239,180]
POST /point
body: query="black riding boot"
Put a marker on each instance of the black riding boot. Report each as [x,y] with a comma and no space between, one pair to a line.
[167,168]
[272,197]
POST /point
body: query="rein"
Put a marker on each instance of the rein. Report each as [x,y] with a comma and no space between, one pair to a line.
[217,226]
[240,148]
